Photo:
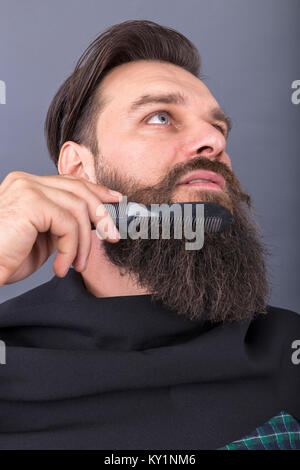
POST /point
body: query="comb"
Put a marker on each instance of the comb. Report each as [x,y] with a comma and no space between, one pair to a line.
[216,217]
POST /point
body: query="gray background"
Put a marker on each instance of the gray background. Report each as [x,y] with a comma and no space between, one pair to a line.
[250,56]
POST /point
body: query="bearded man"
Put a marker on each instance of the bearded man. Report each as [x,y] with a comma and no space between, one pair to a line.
[142,344]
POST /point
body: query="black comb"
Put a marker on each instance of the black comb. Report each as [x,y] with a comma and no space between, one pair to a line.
[216,217]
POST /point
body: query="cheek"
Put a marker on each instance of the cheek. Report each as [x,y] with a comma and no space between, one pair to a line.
[145,161]
[144,158]
[155,161]
[227,161]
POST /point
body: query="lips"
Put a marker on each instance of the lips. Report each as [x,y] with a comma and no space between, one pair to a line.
[210,176]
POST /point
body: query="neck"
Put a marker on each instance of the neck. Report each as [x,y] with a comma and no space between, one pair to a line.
[104,279]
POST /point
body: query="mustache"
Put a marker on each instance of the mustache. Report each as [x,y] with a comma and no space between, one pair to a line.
[199,163]
[167,184]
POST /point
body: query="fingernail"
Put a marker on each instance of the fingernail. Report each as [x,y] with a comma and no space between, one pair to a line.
[113,232]
[115,193]
[117,234]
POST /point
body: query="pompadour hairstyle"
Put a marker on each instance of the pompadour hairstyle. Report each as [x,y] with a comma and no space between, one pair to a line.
[72,112]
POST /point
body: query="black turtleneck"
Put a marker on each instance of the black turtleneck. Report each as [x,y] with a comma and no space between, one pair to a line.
[126,373]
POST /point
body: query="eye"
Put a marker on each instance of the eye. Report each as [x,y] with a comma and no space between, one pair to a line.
[158,113]
[166,113]
[221,128]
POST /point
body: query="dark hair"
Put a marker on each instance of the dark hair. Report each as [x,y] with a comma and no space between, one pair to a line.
[71,114]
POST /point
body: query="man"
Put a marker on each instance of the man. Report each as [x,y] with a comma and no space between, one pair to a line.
[142,344]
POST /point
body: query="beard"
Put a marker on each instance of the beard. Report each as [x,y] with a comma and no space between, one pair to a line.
[225,280]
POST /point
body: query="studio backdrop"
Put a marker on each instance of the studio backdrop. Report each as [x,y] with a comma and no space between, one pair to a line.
[251,62]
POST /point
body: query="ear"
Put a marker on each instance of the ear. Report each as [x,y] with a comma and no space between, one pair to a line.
[76,160]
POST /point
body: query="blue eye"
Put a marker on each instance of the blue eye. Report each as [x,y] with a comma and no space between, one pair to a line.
[166,113]
[158,113]
[221,129]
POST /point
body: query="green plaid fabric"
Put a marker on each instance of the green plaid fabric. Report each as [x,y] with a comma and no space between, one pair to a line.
[282,432]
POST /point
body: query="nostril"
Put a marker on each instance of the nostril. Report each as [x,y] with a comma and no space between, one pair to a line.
[205,148]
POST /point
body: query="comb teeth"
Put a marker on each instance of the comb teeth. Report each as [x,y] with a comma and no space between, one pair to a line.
[216,217]
[212,224]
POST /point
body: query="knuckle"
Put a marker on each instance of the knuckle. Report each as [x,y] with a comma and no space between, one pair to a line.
[72,223]
[13,176]
[81,204]
[29,193]
[16,174]
[67,216]
[70,230]
[77,207]
[21,183]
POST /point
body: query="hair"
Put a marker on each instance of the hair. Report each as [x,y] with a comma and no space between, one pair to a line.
[72,112]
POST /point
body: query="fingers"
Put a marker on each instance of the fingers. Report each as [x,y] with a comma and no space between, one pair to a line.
[79,186]
[66,228]
[63,205]
[66,203]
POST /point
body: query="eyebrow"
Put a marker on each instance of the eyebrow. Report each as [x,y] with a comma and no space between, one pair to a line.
[178,99]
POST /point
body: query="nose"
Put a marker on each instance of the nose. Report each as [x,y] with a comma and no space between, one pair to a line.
[205,141]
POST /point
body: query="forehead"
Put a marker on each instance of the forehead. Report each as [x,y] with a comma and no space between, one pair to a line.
[123,84]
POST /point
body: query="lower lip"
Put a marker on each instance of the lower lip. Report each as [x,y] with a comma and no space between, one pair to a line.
[203,185]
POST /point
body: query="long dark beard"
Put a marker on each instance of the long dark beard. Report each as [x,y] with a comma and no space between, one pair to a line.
[226,280]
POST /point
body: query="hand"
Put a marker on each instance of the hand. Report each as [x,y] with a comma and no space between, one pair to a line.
[39,214]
